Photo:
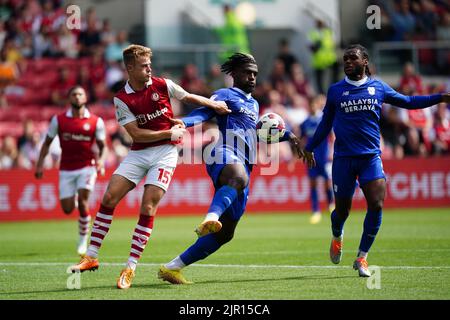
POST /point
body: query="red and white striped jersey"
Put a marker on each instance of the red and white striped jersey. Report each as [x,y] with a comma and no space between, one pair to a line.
[150,107]
[76,137]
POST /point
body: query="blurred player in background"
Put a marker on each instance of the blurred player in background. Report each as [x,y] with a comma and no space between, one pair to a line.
[143,108]
[229,165]
[322,156]
[353,110]
[77,130]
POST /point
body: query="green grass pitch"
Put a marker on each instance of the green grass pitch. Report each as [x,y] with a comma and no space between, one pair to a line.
[273,256]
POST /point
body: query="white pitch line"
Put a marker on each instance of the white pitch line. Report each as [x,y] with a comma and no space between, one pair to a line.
[114,264]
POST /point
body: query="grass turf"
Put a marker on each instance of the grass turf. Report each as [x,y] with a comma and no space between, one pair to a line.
[273,256]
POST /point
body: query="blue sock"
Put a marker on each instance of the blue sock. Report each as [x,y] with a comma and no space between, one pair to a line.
[314,200]
[372,224]
[223,198]
[337,224]
[203,247]
[330,196]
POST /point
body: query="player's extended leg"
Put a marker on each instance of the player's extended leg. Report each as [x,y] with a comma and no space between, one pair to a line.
[202,248]
[83,220]
[150,200]
[316,214]
[118,187]
[374,193]
[338,218]
[232,181]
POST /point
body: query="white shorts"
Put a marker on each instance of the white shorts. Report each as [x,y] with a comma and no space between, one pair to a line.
[73,180]
[157,163]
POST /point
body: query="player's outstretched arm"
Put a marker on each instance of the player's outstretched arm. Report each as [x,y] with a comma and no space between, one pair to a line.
[39,172]
[198,116]
[413,102]
[146,135]
[220,107]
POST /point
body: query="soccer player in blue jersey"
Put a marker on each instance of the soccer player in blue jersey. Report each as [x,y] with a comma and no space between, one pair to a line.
[322,157]
[229,164]
[353,110]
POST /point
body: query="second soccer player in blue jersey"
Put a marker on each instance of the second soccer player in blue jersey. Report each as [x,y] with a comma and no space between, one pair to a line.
[322,157]
[229,164]
[353,110]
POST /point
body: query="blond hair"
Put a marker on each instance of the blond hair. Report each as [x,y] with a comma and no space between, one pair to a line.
[133,51]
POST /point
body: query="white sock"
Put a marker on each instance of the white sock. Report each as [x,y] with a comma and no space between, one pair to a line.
[132,263]
[212,216]
[339,239]
[175,264]
[362,254]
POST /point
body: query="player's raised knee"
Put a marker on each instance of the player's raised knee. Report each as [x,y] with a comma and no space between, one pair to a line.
[109,200]
[376,205]
[238,182]
[147,209]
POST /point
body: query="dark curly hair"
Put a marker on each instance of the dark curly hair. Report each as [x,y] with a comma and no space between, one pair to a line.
[236,60]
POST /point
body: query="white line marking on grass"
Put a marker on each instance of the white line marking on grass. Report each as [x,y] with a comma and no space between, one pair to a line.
[269,266]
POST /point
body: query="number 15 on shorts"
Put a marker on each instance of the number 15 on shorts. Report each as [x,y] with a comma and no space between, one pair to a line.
[165,175]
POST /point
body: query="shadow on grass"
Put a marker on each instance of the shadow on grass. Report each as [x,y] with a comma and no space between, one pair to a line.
[166,285]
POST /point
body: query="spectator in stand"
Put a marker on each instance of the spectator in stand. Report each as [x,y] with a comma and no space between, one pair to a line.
[191,80]
[394,130]
[426,18]
[114,73]
[286,56]
[26,49]
[8,75]
[3,33]
[297,111]
[5,10]
[278,74]
[301,84]
[420,122]
[215,79]
[441,144]
[403,21]
[443,34]
[9,154]
[43,43]
[114,50]
[107,34]
[27,135]
[89,39]
[29,152]
[66,43]
[410,80]
[60,89]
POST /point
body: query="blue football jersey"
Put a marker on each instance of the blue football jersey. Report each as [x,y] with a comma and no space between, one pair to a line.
[308,128]
[238,128]
[354,111]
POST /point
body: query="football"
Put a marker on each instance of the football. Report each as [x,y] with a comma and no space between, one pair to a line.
[270,127]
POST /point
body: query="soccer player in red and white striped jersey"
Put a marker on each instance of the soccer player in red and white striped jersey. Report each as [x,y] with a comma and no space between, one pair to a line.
[143,108]
[78,130]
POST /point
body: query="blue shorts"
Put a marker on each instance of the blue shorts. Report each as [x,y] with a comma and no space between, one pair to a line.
[320,170]
[237,208]
[347,169]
